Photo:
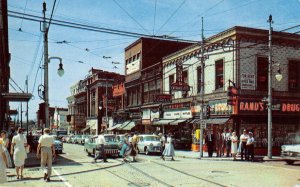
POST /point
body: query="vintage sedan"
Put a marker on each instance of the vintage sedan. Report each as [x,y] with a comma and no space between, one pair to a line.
[111,146]
[290,152]
[149,144]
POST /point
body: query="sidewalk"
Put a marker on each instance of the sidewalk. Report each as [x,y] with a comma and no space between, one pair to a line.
[32,160]
[196,155]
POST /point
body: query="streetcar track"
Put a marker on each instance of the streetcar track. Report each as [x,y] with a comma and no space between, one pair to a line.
[140,171]
[200,178]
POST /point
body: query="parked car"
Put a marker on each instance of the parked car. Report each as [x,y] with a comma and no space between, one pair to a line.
[120,140]
[84,138]
[290,152]
[58,145]
[78,139]
[149,144]
[111,145]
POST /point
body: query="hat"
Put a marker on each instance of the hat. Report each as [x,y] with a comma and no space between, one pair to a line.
[160,134]
[250,132]
[244,130]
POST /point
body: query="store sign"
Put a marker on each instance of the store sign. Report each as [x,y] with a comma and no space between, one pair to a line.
[248,81]
[79,120]
[220,107]
[184,114]
[154,115]
[180,86]
[135,115]
[133,67]
[259,106]
[92,123]
[146,114]
[162,98]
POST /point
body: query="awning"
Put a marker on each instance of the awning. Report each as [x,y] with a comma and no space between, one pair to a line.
[217,121]
[85,129]
[177,121]
[127,125]
[115,126]
[163,122]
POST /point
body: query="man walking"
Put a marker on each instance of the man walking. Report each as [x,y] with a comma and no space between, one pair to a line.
[134,141]
[100,147]
[47,148]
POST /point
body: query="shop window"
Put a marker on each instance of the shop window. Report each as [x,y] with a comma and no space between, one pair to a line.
[294,76]
[262,73]
[219,74]
[185,78]
[199,79]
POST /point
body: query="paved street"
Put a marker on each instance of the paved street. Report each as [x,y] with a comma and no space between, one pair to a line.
[75,168]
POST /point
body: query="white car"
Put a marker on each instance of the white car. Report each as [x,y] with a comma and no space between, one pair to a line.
[291,151]
[149,144]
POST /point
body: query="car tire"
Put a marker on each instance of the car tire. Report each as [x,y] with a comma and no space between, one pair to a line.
[147,151]
[290,162]
[94,152]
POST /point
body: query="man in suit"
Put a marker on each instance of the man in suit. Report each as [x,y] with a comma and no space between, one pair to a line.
[219,143]
[209,141]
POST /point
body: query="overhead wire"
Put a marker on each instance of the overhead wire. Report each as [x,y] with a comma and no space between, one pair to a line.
[154,19]
[20,29]
[172,15]
[51,16]
[130,16]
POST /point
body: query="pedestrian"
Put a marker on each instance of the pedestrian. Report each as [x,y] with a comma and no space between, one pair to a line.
[18,151]
[133,144]
[46,151]
[228,142]
[3,165]
[219,143]
[126,149]
[162,140]
[30,141]
[5,144]
[234,142]
[223,141]
[100,141]
[209,141]
[244,138]
[169,148]
[250,147]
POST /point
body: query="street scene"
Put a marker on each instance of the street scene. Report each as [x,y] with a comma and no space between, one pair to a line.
[75,168]
[149,93]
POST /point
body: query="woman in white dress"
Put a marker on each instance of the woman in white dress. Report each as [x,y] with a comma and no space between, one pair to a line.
[5,143]
[3,165]
[169,148]
[18,150]
[234,142]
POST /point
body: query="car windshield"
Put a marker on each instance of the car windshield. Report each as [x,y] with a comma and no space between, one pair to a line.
[110,138]
[151,138]
[293,138]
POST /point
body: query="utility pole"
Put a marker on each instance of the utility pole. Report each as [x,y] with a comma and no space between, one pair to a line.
[46,90]
[106,120]
[21,116]
[202,94]
[270,90]
[27,121]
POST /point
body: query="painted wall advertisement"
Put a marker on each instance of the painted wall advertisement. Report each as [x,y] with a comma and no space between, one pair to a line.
[247,81]
[178,114]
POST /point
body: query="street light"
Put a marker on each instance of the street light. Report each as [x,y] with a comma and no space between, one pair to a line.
[60,70]
[278,77]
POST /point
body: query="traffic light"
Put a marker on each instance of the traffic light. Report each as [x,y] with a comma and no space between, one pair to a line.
[207,112]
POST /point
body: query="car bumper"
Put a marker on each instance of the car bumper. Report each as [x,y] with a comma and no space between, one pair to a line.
[154,149]
[290,156]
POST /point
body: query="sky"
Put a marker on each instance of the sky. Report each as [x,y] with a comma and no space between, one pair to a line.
[178,18]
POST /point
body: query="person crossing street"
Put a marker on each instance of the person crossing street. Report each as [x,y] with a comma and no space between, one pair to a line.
[46,151]
[100,146]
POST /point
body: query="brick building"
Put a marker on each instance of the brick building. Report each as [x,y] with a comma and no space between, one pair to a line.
[237,56]
[143,60]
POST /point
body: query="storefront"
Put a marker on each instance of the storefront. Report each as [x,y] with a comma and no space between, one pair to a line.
[252,114]
[93,125]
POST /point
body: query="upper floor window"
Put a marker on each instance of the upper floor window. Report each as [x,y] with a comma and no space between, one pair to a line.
[171,80]
[219,74]
[262,74]
[294,75]
[138,56]
[185,78]
[199,72]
